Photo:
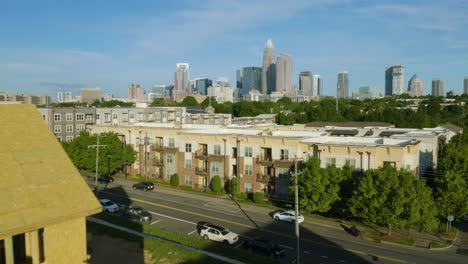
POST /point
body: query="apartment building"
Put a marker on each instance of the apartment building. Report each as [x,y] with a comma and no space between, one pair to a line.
[260,158]
[37,99]
[127,116]
[44,200]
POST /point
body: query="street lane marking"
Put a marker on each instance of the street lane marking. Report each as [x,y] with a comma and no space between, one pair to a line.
[307,252]
[251,227]
[174,218]
[192,232]
[324,257]
[155,222]
[283,246]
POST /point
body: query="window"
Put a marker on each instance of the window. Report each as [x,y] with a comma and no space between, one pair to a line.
[132,115]
[248,187]
[164,114]
[284,155]
[283,173]
[169,158]
[188,147]
[57,129]
[69,116]
[89,117]
[215,167]
[234,153]
[115,116]
[408,167]
[248,152]
[69,138]
[57,117]
[177,114]
[59,139]
[171,142]
[217,149]
[69,128]
[389,163]
[331,162]
[79,117]
[351,163]
[188,180]
[140,116]
[97,116]
[106,116]
[44,117]
[188,163]
[248,170]
[79,127]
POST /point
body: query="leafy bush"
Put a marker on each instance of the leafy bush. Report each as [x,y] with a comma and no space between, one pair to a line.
[175,180]
[258,197]
[186,187]
[216,184]
[233,186]
[241,195]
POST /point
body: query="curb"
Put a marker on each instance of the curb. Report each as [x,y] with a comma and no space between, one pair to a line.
[450,245]
[396,244]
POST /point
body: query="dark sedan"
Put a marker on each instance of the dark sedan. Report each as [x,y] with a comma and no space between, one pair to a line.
[145,186]
[138,213]
[263,246]
[105,179]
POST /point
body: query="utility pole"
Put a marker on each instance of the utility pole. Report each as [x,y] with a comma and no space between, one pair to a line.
[296,205]
[146,144]
[97,161]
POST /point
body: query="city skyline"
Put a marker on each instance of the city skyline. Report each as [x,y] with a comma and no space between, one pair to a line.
[106,46]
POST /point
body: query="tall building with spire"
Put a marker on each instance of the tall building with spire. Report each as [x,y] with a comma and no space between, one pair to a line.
[181,81]
[268,69]
[342,85]
[284,74]
[415,86]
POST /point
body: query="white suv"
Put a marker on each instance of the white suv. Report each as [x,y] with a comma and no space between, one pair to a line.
[288,216]
[108,205]
[219,234]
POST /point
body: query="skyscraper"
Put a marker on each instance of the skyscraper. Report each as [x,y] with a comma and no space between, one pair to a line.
[394,80]
[316,85]
[415,86]
[268,69]
[251,80]
[437,87]
[342,85]
[305,83]
[202,85]
[181,81]
[465,85]
[284,74]
[136,92]
[239,76]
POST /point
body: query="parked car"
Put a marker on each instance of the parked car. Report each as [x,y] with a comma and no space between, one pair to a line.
[265,247]
[108,205]
[145,186]
[219,234]
[288,216]
[105,179]
[138,213]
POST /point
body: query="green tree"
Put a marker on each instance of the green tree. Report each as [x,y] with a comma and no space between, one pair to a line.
[216,184]
[174,180]
[258,197]
[233,186]
[159,102]
[189,101]
[114,103]
[318,187]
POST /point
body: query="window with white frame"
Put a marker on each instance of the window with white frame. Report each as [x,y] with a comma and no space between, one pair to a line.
[115,116]
[248,187]
[188,147]
[140,116]
[188,180]
[215,167]
[69,128]
[69,138]
[284,154]
[330,162]
[69,116]
[248,152]
[97,116]
[132,115]
[106,116]
[188,163]
[57,117]
[351,163]
[57,129]
[164,115]
[283,173]
[80,127]
[169,158]
[248,169]
[79,117]
[89,117]
[217,149]
[171,142]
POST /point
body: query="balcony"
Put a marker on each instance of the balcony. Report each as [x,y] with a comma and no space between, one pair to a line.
[283,162]
[158,162]
[201,154]
[201,172]
[265,160]
[263,177]
[216,157]
[160,147]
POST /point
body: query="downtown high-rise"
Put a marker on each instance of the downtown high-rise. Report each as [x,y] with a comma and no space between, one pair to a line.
[394,80]
[437,87]
[268,69]
[251,80]
[181,81]
[305,83]
[465,85]
[342,85]
[284,74]
[415,86]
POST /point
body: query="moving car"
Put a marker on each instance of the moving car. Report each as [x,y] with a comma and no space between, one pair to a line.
[138,213]
[105,179]
[145,186]
[288,216]
[108,205]
[219,234]
[265,247]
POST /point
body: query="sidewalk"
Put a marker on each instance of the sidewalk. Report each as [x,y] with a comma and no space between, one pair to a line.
[369,231]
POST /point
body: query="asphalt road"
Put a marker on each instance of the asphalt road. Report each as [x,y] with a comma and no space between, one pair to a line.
[182,211]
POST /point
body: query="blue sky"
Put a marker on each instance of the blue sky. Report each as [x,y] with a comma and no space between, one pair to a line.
[48,46]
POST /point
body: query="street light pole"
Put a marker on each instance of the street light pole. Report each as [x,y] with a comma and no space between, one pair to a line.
[296,205]
[97,161]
